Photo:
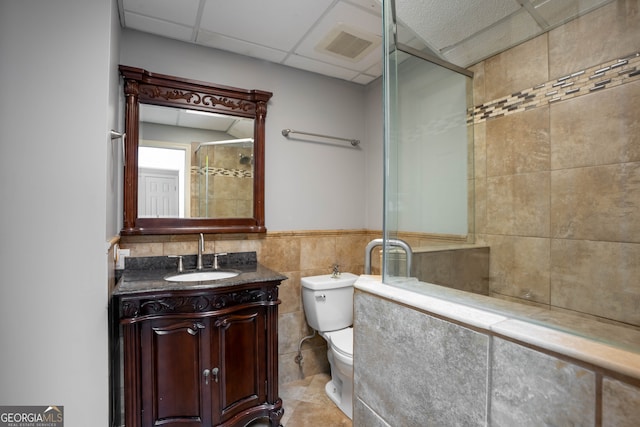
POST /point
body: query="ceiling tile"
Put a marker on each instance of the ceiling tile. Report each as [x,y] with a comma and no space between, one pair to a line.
[181,12]
[278,24]
[156,26]
[364,79]
[240,47]
[374,6]
[198,121]
[376,69]
[460,31]
[518,28]
[359,20]
[303,63]
[445,23]
[558,12]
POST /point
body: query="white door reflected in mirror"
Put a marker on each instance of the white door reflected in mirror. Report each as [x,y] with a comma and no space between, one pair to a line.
[161,182]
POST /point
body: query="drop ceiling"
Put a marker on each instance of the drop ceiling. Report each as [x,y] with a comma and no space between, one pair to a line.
[342,38]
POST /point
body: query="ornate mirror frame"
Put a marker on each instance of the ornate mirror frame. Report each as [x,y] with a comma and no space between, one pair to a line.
[141,86]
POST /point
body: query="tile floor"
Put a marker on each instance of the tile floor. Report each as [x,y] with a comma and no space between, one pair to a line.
[307,405]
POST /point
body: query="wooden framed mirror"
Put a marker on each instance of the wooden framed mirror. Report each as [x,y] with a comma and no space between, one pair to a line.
[193,156]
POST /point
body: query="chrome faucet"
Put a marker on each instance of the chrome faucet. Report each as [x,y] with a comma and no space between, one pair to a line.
[200,251]
[336,271]
[215,260]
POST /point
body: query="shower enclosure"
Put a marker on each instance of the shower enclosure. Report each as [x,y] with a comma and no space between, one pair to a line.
[448,357]
[222,179]
[548,186]
[428,177]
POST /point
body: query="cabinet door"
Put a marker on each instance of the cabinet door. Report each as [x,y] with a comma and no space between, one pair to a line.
[174,357]
[239,350]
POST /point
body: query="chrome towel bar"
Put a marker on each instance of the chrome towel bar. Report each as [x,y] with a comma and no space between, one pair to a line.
[354,142]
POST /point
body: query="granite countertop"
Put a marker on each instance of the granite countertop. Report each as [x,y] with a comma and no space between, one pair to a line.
[146,274]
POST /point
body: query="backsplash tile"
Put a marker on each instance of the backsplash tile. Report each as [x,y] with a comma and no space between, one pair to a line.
[577,83]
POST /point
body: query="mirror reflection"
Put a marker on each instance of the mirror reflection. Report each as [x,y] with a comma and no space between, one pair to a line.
[194,164]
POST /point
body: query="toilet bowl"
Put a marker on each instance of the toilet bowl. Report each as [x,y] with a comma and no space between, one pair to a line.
[328,306]
[340,355]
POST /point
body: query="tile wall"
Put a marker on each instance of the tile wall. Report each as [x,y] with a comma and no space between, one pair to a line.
[557,165]
[222,182]
[414,368]
[294,254]
[462,267]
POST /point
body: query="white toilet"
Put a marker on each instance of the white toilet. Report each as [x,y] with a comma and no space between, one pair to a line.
[328,307]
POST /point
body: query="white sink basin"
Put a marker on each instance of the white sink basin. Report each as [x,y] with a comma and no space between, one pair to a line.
[201,276]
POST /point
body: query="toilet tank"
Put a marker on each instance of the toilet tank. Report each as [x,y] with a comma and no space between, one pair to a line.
[328,301]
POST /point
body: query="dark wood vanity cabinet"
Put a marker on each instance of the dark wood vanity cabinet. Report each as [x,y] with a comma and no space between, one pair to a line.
[201,358]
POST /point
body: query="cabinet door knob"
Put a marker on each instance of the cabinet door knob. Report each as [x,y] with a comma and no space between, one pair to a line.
[206,373]
[214,372]
[194,330]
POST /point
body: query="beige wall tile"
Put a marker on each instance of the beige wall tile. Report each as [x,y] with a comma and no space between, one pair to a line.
[478,83]
[318,253]
[531,201]
[519,204]
[289,293]
[500,210]
[519,267]
[281,253]
[596,203]
[291,328]
[480,150]
[471,270]
[596,129]
[314,361]
[600,278]
[350,252]
[576,200]
[144,249]
[183,247]
[518,68]
[249,245]
[480,206]
[433,267]
[607,33]
[518,143]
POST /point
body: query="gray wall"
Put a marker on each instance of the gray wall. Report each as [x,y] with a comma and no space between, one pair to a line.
[309,186]
[61,184]
[374,162]
[58,190]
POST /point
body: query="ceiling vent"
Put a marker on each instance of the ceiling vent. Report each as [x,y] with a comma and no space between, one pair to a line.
[348,43]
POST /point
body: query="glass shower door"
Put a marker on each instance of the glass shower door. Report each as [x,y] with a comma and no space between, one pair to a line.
[428,146]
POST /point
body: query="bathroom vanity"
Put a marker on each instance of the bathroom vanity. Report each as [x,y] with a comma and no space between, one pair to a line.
[201,353]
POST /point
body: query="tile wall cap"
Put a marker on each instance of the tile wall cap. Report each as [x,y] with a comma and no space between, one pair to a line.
[580,348]
[437,247]
[577,347]
[455,311]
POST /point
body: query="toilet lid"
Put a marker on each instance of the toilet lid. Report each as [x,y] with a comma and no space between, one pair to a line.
[342,341]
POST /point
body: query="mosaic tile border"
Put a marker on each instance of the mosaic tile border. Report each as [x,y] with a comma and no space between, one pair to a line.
[582,82]
[235,173]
